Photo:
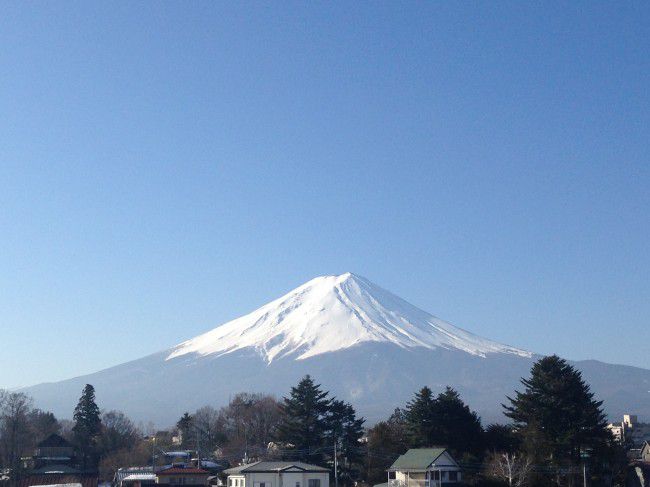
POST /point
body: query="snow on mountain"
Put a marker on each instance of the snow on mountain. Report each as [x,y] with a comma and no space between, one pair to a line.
[333,313]
[364,344]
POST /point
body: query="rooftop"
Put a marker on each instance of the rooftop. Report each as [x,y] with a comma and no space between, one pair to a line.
[273,467]
[417,458]
[183,471]
[54,441]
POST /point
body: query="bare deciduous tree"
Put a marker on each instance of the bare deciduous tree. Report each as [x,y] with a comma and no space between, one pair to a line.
[118,432]
[15,433]
[511,467]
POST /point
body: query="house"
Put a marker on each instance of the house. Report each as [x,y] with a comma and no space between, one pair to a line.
[278,474]
[134,477]
[645,452]
[176,475]
[53,462]
[53,450]
[424,467]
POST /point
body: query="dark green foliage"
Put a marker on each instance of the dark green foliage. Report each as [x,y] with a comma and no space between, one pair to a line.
[303,425]
[420,419]
[501,438]
[345,430]
[557,418]
[457,427]
[443,421]
[184,425]
[87,428]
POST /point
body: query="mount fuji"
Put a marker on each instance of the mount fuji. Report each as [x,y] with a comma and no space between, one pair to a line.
[363,343]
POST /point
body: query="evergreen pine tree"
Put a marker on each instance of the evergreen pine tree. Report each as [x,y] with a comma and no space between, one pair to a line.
[420,419]
[456,426]
[557,417]
[87,428]
[443,421]
[346,430]
[303,426]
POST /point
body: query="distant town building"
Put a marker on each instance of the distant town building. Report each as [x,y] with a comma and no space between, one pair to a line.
[278,474]
[424,467]
[630,431]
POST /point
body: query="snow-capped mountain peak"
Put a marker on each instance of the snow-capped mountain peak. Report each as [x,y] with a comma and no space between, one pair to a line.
[332,313]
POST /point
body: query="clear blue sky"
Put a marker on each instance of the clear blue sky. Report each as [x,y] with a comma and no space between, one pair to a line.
[165,167]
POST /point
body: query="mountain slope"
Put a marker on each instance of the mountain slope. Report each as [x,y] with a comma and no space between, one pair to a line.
[332,313]
[364,344]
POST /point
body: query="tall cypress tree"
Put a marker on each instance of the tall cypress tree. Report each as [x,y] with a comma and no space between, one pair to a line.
[557,417]
[303,427]
[87,428]
[184,425]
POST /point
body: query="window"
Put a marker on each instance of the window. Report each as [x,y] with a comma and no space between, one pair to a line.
[453,476]
[435,475]
[297,484]
[391,476]
[314,483]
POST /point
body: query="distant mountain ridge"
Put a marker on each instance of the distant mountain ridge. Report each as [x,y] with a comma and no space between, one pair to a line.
[363,343]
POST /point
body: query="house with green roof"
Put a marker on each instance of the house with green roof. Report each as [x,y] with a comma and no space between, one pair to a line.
[425,467]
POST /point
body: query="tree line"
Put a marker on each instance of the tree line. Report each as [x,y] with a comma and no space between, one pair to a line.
[93,434]
[557,431]
[557,435]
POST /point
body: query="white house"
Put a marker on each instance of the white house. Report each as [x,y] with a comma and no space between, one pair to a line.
[424,467]
[278,474]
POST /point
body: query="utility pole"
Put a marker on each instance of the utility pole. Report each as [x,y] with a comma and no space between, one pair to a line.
[198,451]
[153,454]
[584,454]
[336,466]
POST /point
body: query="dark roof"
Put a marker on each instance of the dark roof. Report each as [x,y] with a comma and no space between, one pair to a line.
[417,458]
[273,467]
[55,441]
[35,480]
[55,469]
[182,471]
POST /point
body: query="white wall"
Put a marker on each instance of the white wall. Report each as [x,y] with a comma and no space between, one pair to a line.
[284,479]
